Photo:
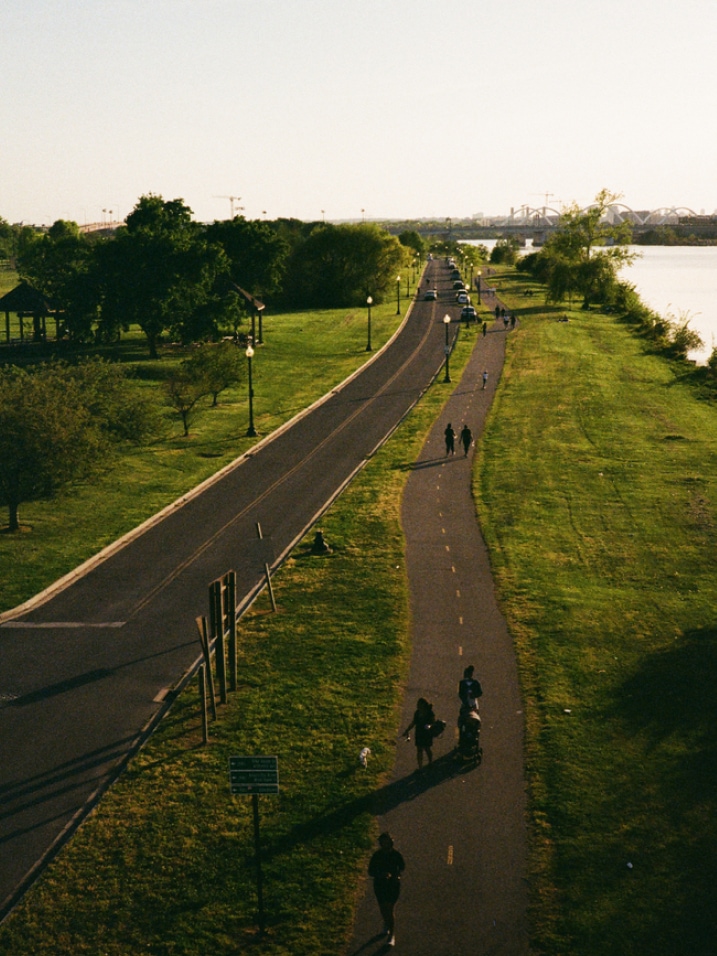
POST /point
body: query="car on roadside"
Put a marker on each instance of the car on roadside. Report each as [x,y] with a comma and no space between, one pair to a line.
[462,298]
[468,313]
[430,296]
[458,284]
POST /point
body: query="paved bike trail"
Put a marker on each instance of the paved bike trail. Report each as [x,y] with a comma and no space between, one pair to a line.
[462,833]
[89,667]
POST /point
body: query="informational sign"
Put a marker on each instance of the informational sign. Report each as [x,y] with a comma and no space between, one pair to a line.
[254,774]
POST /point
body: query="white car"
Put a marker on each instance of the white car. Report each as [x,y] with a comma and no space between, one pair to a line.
[462,298]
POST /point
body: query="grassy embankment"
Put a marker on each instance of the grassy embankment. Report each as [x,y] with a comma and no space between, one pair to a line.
[165,863]
[304,355]
[597,490]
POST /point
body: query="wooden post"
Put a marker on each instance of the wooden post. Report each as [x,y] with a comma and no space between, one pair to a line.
[217,631]
[204,640]
[257,857]
[230,610]
[202,681]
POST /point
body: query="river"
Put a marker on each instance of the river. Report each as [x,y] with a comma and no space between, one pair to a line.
[680,281]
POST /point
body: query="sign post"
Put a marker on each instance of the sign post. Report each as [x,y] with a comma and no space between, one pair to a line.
[255,775]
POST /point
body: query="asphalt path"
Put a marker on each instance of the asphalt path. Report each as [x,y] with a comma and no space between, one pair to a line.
[87,668]
[461,832]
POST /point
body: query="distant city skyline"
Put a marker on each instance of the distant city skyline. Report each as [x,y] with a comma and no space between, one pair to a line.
[378,109]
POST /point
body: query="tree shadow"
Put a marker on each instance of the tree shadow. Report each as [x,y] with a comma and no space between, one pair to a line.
[672,700]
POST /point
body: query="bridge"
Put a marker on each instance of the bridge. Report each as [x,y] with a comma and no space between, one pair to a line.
[542,219]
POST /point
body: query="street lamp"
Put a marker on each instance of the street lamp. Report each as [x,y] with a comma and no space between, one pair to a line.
[251,431]
[369,303]
[398,295]
[447,324]
[478,275]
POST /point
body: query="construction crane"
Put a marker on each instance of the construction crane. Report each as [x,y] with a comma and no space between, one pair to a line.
[232,200]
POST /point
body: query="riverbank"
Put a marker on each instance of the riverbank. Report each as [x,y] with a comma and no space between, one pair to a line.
[596,491]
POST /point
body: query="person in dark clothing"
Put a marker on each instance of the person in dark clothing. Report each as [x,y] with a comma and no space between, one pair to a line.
[485,329]
[450,436]
[385,868]
[469,688]
[466,438]
[423,720]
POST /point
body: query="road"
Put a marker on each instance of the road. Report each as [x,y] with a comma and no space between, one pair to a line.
[86,671]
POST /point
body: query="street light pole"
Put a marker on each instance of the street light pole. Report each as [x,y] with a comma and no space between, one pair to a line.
[369,303]
[447,324]
[251,431]
[478,285]
[398,295]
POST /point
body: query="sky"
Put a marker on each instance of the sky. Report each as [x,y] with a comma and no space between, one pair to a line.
[351,109]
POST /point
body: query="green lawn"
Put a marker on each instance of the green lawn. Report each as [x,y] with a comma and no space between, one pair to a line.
[597,490]
[165,864]
[305,354]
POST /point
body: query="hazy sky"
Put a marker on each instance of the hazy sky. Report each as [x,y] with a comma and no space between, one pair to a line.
[401,108]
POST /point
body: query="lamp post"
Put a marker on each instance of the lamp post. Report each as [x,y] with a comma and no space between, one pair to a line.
[447,324]
[478,284]
[369,303]
[251,431]
[398,295]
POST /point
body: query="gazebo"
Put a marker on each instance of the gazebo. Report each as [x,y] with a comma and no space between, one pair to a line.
[24,300]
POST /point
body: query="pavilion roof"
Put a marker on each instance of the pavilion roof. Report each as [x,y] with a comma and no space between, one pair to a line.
[24,298]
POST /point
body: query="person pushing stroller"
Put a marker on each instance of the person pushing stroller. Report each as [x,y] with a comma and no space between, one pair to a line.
[469,723]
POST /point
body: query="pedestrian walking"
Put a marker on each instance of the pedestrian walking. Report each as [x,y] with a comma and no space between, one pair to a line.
[466,437]
[497,313]
[422,724]
[485,329]
[385,868]
[450,437]
[506,320]
[512,320]
[485,377]
[469,689]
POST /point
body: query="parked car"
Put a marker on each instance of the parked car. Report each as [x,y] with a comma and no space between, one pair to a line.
[459,285]
[462,298]
[430,296]
[468,313]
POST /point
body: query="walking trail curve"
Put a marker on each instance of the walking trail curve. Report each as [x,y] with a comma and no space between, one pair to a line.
[462,833]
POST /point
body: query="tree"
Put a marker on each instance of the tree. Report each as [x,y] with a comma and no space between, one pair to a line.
[505,252]
[571,261]
[57,422]
[60,265]
[341,265]
[255,252]
[184,391]
[216,366]
[159,273]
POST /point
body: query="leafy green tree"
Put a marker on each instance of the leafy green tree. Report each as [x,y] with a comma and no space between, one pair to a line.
[184,391]
[159,273]
[218,367]
[341,265]
[57,422]
[256,253]
[60,265]
[585,253]
[414,241]
[505,252]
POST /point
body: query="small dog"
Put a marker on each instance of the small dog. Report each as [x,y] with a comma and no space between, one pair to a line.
[363,757]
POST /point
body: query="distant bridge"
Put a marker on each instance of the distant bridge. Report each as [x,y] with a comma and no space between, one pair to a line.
[547,217]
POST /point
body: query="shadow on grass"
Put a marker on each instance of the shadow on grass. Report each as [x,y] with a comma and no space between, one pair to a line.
[672,700]
[377,803]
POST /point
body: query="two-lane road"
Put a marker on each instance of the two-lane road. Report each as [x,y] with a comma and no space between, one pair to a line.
[82,673]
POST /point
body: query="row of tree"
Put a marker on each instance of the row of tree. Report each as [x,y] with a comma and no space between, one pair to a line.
[171,275]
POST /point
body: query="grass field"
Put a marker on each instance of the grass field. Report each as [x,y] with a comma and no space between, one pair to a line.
[597,490]
[304,356]
[165,864]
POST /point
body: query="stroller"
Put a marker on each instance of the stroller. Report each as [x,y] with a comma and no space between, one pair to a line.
[469,752]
